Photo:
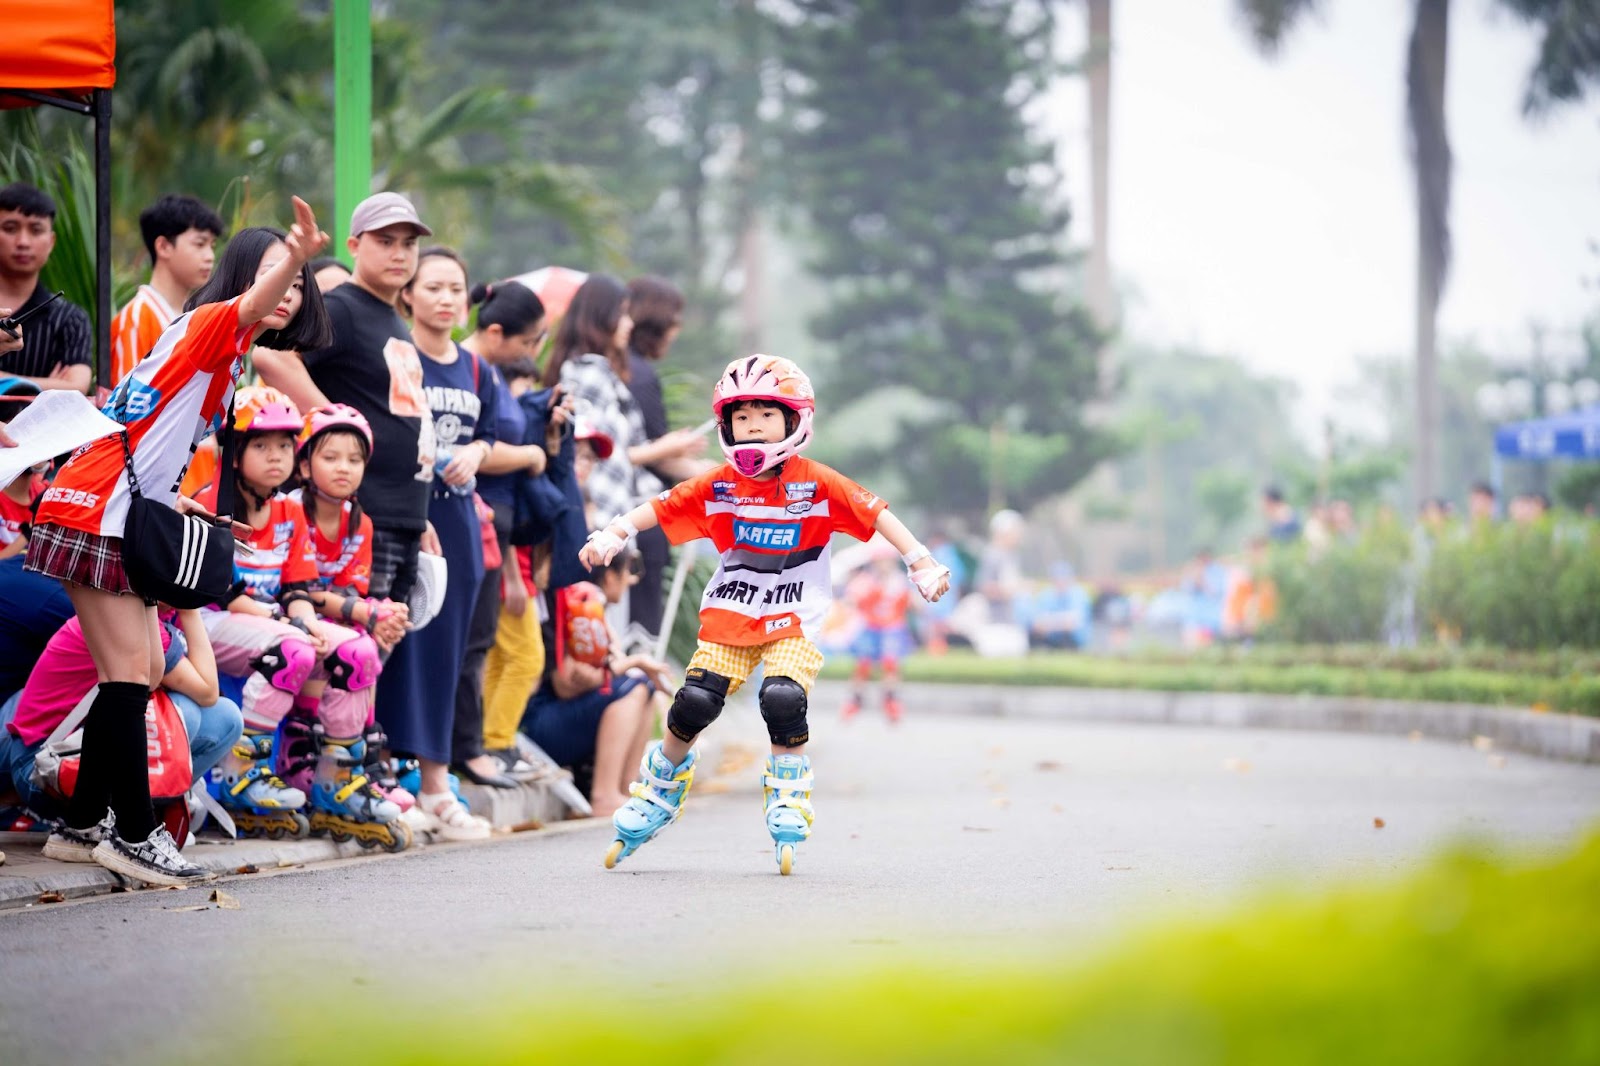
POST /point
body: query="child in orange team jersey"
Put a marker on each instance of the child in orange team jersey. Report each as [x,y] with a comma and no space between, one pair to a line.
[771,514]
[880,597]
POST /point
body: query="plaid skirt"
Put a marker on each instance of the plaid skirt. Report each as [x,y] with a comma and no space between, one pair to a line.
[77,557]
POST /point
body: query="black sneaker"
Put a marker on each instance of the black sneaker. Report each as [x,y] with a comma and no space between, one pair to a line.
[155,861]
[66,844]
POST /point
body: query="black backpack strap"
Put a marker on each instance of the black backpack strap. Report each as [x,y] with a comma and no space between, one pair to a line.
[225,480]
[127,460]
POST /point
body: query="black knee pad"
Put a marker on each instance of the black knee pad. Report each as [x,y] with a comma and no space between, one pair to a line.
[783,705]
[697,704]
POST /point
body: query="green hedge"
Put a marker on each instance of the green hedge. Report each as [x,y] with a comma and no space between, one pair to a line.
[1577,694]
[1467,962]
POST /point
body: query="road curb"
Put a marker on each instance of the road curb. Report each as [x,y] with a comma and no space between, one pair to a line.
[1571,738]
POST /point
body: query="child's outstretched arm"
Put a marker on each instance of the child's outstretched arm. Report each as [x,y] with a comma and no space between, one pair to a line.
[304,241]
[604,543]
[931,577]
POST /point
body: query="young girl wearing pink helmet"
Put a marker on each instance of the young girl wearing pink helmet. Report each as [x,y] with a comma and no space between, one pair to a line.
[771,514]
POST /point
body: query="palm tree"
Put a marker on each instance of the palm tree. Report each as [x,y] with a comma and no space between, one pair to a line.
[1569,60]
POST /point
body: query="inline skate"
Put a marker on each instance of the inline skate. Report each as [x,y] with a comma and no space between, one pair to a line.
[257,800]
[786,788]
[657,802]
[343,803]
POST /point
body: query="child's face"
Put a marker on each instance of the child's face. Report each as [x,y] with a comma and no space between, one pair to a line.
[331,277]
[583,462]
[189,256]
[267,460]
[439,294]
[386,258]
[336,466]
[289,305]
[757,424]
[25,242]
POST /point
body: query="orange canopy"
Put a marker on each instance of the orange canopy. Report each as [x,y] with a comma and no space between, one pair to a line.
[57,46]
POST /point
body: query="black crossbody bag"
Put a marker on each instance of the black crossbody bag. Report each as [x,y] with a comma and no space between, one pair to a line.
[182,560]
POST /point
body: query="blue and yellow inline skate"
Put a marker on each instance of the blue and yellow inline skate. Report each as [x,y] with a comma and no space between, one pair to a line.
[786,790]
[259,803]
[657,802]
[344,804]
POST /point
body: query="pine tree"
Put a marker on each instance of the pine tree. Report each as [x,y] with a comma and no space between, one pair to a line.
[940,239]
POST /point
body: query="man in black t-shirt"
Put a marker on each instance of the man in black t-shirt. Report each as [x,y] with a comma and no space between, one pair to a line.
[373,366]
[56,341]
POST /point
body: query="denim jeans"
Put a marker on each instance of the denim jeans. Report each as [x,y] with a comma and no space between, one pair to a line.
[212,731]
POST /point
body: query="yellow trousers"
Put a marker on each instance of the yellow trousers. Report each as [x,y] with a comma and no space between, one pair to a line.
[793,657]
[510,673]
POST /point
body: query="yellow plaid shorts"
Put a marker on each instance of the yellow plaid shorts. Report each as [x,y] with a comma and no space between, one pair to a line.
[793,657]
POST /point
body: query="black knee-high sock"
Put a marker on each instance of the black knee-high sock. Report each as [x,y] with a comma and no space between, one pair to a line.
[115,761]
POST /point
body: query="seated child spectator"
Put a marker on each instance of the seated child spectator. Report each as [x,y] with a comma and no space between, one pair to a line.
[16,499]
[1059,614]
[64,675]
[592,705]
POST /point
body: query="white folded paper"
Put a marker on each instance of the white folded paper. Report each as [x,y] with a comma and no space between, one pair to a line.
[56,422]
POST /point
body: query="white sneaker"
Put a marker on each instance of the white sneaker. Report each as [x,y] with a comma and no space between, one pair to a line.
[154,861]
[449,820]
[66,844]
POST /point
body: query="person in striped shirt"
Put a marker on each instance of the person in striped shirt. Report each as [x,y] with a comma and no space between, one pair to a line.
[54,353]
[180,233]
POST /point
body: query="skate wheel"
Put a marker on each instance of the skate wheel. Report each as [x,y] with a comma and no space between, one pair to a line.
[302,826]
[339,836]
[275,832]
[400,836]
[785,859]
[613,854]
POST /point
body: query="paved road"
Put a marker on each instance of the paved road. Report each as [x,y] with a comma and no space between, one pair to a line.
[947,835]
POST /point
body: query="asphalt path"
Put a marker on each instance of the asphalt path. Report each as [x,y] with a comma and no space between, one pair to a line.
[958,838]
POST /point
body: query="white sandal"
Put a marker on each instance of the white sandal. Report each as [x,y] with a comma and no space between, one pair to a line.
[449,820]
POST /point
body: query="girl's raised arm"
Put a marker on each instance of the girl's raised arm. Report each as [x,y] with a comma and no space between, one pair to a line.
[304,241]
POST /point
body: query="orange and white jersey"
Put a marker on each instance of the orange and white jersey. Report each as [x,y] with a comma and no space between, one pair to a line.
[136,329]
[171,401]
[772,581]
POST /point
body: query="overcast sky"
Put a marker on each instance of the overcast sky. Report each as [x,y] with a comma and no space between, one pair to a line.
[1264,207]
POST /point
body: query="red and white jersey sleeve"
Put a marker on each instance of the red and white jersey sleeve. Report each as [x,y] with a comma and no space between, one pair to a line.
[173,399]
[772,580]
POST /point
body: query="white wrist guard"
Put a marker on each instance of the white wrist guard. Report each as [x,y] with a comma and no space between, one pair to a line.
[605,544]
[629,530]
[928,580]
[917,553]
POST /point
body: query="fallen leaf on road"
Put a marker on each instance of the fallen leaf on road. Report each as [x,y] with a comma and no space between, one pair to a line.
[191,907]
[1497,761]
[52,897]
[1000,801]
[1056,808]
[223,900]
[996,751]
[1414,736]
[1540,707]
[248,868]
[1378,823]
[1236,765]
[977,829]
[1483,743]
[1047,766]
[1119,867]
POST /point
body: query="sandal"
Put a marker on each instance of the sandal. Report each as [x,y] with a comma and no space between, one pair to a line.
[448,819]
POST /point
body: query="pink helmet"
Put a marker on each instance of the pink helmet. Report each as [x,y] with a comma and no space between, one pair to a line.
[261,409]
[334,416]
[764,377]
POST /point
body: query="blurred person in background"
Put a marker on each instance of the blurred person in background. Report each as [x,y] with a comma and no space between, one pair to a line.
[1000,579]
[656,307]
[1528,508]
[180,233]
[329,272]
[1283,525]
[56,351]
[1342,520]
[881,597]
[1252,597]
[1059,615]
[938,615]
[1481,503]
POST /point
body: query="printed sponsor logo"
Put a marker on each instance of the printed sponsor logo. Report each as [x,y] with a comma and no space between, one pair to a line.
[800,490]
[799,507]
[71,497]
[766,534]
[723,491]
[865,497]
[133,400]
[780,623]
[746,592]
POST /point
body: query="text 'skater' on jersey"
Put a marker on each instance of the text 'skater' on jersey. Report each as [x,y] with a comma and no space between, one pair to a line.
[172,400]
[772,581]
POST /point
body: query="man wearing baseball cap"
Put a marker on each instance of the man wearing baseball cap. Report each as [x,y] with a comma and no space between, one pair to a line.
[372,366]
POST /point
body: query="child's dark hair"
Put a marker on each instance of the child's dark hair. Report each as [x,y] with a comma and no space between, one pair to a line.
[522,368]
[309,495]
[236,272]
[589,324]
[28,200]
[438,251]
[511,305]
[655,305]
[172,216]
[323,262]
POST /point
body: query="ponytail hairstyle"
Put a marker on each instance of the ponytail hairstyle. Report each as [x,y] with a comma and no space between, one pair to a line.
[236,273]
[589,325]
[438,251]
[656,306]
[511,305]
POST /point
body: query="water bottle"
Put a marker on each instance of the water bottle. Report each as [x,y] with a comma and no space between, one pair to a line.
[441,459]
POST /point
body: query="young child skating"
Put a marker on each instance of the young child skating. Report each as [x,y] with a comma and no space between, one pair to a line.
[881,600]
[771,514]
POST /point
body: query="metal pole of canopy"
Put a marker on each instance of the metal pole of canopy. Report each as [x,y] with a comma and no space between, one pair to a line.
[102,236]
[352,114]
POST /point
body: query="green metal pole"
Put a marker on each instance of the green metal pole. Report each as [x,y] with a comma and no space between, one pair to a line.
[352,114]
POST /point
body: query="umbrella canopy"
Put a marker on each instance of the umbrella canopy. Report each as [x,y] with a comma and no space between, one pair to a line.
[555,286]
[57,47]
[1575,435]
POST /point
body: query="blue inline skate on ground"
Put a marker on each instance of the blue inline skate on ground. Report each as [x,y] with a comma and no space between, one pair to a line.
[786,787]
[657,802]
[343,803]
[260,804]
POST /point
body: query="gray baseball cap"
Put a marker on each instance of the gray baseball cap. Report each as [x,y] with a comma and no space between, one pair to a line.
[385,209]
